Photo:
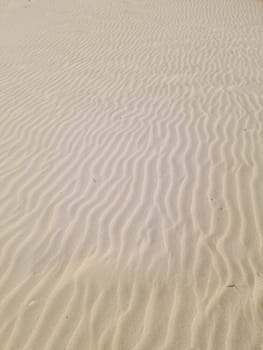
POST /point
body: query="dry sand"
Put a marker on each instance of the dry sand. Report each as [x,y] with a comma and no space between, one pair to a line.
[131,175]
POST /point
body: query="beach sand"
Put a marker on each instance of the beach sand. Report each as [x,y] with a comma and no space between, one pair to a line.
[131,175]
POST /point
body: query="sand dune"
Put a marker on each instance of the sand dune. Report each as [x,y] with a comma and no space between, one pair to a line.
[131,169]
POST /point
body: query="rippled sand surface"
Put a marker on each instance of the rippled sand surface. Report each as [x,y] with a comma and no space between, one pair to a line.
[131,175]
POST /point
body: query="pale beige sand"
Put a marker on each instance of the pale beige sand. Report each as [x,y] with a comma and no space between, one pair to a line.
[131,174]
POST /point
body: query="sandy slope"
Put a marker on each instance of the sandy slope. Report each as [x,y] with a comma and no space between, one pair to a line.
[131,175]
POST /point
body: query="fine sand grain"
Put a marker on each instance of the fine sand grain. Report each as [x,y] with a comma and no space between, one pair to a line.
[131,175]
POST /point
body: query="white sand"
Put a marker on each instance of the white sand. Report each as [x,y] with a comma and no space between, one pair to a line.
[131,175]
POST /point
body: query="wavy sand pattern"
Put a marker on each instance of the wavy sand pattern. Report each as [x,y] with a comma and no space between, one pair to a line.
[131,165]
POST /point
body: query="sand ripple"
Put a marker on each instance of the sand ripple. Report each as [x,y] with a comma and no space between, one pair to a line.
[131,175]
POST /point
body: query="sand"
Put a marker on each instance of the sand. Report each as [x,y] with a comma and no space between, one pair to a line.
[131,167]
